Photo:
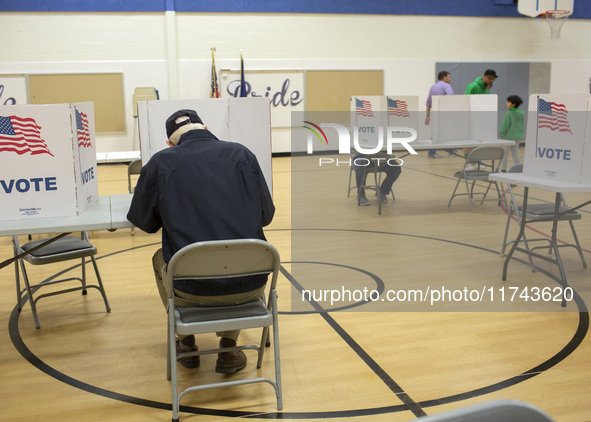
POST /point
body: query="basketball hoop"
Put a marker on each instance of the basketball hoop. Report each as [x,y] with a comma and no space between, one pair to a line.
[556,19]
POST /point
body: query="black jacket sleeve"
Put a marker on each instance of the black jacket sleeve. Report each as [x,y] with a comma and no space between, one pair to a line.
[144,211]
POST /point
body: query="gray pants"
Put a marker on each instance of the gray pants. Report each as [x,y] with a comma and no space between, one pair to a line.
[185,299]
[514,152]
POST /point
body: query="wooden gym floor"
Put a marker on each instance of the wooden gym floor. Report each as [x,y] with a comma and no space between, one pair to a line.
[349,360]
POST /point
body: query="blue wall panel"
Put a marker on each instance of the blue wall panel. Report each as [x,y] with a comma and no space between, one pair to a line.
[484,8]
[82,5]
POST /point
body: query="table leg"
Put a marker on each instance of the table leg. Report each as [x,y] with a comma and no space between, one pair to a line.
[554,245]
[519,235]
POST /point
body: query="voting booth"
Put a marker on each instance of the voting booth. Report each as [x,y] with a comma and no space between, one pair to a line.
[244,120]
[372,115]
[48,155]
[464,118]
[558,143]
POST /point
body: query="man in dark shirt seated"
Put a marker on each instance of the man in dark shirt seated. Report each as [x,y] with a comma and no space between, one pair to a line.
[203,189]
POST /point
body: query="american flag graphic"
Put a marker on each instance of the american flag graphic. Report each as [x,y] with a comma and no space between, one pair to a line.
[553,116]
[21,135]
[397,108]
[82,130]
[363,107]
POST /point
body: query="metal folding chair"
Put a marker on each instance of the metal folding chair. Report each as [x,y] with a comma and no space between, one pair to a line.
[488,161]
[538,213]
[63,249]
[493,411]
[223,259]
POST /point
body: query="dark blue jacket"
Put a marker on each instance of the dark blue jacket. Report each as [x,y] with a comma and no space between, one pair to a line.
[203,189]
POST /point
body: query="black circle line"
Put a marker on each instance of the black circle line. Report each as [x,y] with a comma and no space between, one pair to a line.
[380,287]
[581,305]
[575,341]
[409,403]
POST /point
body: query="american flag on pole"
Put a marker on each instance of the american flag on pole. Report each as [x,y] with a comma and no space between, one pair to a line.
[363,107]
[242,80]
[397,108]
[215,91]
[82,130]
[553,116]
[21,135]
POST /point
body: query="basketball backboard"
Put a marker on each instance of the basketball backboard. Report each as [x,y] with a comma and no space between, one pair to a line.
[534,8]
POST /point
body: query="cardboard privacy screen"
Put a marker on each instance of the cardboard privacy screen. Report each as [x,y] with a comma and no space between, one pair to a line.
[243,120]
[464,118]
[558,144]
[48,156]
[370,113]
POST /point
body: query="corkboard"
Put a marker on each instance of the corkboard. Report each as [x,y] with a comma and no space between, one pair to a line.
[105,90]
[331,90]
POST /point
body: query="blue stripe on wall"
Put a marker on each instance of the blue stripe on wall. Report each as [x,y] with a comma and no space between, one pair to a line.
[484,8]
[82,6]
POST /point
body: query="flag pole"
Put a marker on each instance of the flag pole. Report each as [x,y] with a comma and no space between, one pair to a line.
[537,123]
[242,80]
[214,91]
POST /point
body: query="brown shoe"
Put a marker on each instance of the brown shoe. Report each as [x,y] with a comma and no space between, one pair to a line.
[230,362]
[187,361]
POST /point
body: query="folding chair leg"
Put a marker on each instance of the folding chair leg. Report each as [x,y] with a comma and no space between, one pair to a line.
[83,278]
[454,192]
[529,257]
[350,177]
[276,354]
[470,193]
[578,245]
[172,369]
[265,340]
[30,294]
[18,286]
[100,283]
[488,189]
[485,194]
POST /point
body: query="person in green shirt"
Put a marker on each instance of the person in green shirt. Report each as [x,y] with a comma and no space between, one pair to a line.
[482,84]
[512,128]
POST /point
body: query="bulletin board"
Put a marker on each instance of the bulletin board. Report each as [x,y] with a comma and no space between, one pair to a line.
[331,90]
[105,90]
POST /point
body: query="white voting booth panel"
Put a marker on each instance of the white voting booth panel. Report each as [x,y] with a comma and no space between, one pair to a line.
[464,118]
[558,144]
[48,155]
[367,120]
[370,113]
[243,120]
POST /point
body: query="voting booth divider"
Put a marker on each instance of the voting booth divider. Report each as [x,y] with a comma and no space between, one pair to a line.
[373,114]
[48,155]
[244,120]
[464,118]
[558,141]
